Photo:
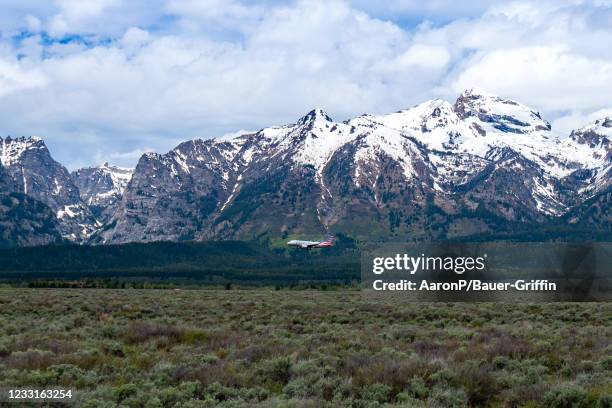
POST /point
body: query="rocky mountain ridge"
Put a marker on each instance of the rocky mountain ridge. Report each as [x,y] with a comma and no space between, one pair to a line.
[481,165]
[434,171]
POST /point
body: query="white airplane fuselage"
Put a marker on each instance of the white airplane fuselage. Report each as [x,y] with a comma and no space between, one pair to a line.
[309,244]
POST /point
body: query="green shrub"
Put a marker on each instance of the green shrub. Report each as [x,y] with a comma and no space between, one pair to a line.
[66,374]
[448,397]
[417,388]
[566,396]
[605,401]
[125,391]
[606,363]
[377,393]
[278,370]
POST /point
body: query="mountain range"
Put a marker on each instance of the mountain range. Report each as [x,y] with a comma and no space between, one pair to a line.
[483,165]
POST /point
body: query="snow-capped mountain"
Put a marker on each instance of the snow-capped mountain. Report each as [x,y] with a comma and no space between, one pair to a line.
[101,187]
[483,164]
[591,146]
[35,174]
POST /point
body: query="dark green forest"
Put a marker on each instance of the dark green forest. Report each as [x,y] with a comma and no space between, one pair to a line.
[217,262]
[214,262]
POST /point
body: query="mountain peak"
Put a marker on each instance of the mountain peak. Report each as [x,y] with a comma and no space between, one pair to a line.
[476,92]
[314,115]
[605,122]
[502,114]
[478,97]
[595,132]
[11,149]
[30,140]
[106,166]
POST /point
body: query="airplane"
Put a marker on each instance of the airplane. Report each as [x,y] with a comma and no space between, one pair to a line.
[329,241]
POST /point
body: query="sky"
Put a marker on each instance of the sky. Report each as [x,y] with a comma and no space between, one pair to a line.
[107,80]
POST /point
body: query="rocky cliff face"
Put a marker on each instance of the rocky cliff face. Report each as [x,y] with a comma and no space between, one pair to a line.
[25,221]
[35,174]
[101,188]
[434,171]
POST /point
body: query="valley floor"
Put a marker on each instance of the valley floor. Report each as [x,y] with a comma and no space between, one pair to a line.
[205,348]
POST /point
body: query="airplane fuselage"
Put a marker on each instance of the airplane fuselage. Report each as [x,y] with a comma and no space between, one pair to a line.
[309,244]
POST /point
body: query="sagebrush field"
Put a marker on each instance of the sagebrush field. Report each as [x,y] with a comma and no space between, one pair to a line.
[234,348]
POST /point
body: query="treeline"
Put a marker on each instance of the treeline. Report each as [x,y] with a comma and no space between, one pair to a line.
[177,284]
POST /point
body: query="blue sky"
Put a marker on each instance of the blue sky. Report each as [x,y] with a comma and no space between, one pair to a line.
[110,79]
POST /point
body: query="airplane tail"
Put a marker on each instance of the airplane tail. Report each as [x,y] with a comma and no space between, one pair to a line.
[329,240]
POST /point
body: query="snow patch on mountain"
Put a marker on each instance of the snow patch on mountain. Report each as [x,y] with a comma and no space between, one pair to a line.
[120,176]
[321,137]
[14,148]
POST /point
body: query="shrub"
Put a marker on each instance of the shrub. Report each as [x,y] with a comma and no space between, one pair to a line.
[566,396]
[223,373]
[377,393]
[297,388]
[141,331]
[113,348]
[367,369]
[606,363]
[192,336]
[206,359]
[255,352]
[30,360]
[479,384]
[417,388]
[66,373]
[447,397]
[278,370]
[523,395]
[124,391]
[220,392]
[406,400]
[605,401]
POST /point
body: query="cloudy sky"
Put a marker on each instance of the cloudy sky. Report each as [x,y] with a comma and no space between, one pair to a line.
[109,79]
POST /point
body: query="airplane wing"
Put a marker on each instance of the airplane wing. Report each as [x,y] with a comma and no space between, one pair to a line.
[313,245]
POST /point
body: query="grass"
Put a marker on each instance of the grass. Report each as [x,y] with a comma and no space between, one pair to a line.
[207,348]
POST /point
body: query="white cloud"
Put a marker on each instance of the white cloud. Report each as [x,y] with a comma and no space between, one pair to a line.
[134,38]
[131,155]
[196,15]
[13,78]
[162,71]
[74,15]
[33,23]
[551,78]
[426,56]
